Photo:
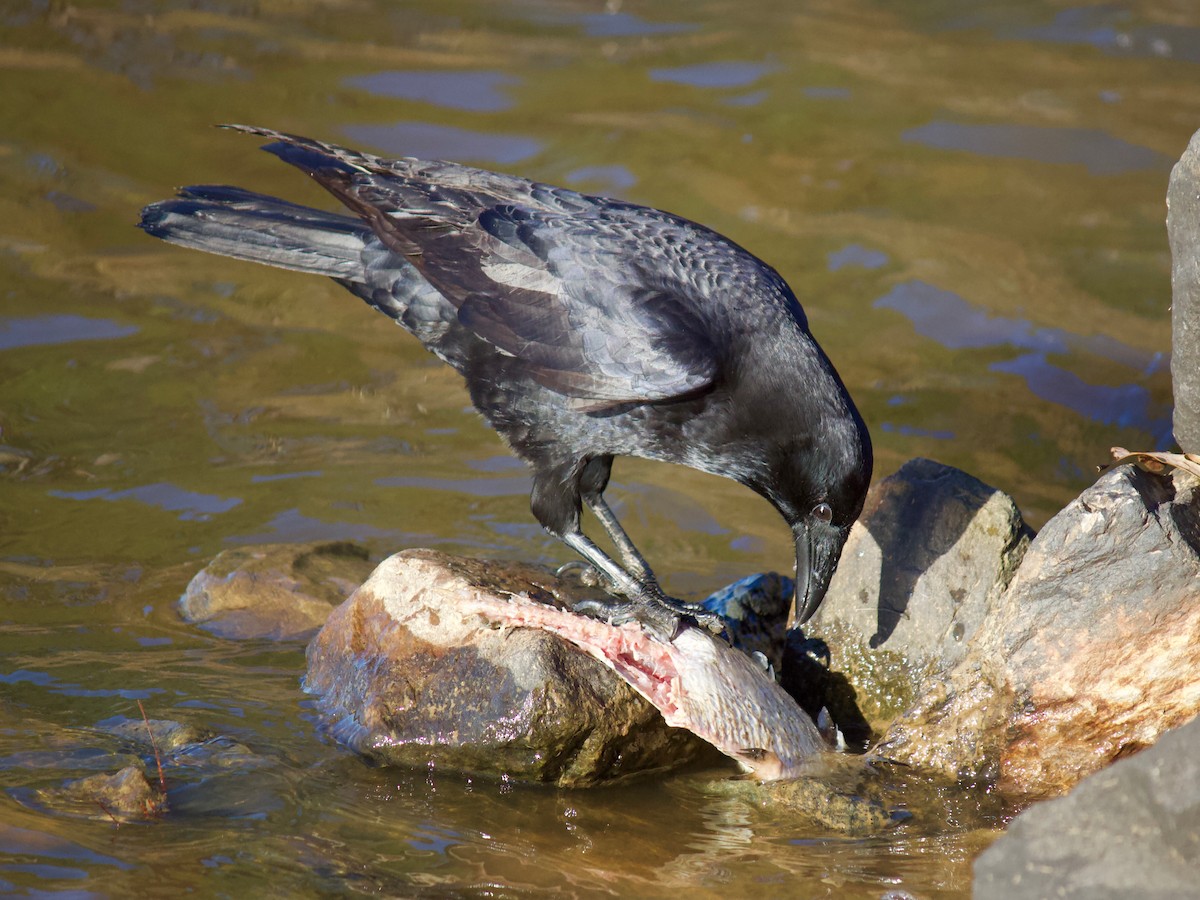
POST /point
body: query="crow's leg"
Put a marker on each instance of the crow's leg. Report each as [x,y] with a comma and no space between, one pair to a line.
[556,503]
[592,482]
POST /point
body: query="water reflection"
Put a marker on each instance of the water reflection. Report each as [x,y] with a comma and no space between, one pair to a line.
[608,180]
[429,141]
[1099,151]
[33,331]
[1108,28]
[856,255]
[293,527]
[954,323]
[623,24]
[192,506]
[473,91]
[724,74]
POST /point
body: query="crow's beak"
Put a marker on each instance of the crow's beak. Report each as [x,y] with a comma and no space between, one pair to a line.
[816,558]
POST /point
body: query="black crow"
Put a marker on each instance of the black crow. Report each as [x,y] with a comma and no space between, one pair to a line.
[586,328]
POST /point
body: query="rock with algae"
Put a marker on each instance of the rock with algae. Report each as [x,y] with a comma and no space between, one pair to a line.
[274,591]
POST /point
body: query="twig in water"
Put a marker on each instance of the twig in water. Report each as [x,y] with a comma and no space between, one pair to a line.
[108,812]
[162,782]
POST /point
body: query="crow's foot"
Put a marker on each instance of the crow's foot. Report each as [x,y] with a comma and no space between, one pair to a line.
[661,616]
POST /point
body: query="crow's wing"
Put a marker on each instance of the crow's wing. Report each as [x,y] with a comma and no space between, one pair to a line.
[602,301]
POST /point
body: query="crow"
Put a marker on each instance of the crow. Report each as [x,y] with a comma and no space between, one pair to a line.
[585,328]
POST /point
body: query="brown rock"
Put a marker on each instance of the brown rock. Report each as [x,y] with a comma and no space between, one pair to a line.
[404,679]
[279,592]
[1090,654]
[124,795]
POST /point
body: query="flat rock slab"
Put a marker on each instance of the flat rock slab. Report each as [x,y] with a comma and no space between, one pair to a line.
[280,592]
[1090,654]
[404,679]
[1132,830]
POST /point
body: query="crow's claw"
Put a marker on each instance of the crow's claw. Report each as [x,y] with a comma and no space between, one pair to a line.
[662,617]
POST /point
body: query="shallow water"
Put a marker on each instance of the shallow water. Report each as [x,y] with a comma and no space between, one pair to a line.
[968,200]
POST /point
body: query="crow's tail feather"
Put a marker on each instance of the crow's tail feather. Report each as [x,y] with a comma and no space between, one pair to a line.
[234,222]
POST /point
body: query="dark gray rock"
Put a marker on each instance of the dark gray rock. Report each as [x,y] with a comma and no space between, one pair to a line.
[931,554]
[1132,830]
[278,592]
[1088,656]
[405,678]
[1183,228]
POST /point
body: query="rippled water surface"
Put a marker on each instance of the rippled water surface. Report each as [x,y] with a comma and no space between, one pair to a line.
[967,198]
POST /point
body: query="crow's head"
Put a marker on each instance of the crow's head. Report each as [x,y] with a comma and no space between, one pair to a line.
[820,485]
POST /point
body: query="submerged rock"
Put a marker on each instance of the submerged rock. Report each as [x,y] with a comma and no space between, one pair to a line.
[1089,655]
[407,672]
[931,554]
[126,794]
[1132,830]
[278,592]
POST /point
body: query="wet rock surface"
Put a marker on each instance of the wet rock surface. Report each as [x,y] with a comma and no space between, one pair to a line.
[1183,227]
[429,687]
[1132,830]
[1089,655]
[931,554]
[276,592]
[125,795]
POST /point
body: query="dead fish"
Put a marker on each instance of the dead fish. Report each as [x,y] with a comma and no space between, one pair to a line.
[696,681]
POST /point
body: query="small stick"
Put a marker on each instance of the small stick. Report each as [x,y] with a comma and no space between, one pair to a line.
[108,812]
[162,782]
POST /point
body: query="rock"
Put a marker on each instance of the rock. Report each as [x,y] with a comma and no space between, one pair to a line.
[405,680]
[147,735]
[1088,656]
[1132,830]
[279,592]
[1183,228]
[124,795]
[931,554]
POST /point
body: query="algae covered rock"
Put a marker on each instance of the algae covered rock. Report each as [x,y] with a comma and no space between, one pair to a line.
[276,592]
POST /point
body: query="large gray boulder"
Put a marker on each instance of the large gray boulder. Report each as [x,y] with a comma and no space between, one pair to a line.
[1132,830]
[1183,228]
[930,556]
[1088,656]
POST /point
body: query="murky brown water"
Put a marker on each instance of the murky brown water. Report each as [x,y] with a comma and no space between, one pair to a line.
[968,200]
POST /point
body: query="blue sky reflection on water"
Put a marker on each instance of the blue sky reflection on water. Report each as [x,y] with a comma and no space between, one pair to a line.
[723,74]
[429,141]
[33,331]
[192,506]
[956,324]
[470,90]
[1099,152]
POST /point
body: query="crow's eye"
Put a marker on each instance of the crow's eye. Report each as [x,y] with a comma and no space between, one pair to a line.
[823,511]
